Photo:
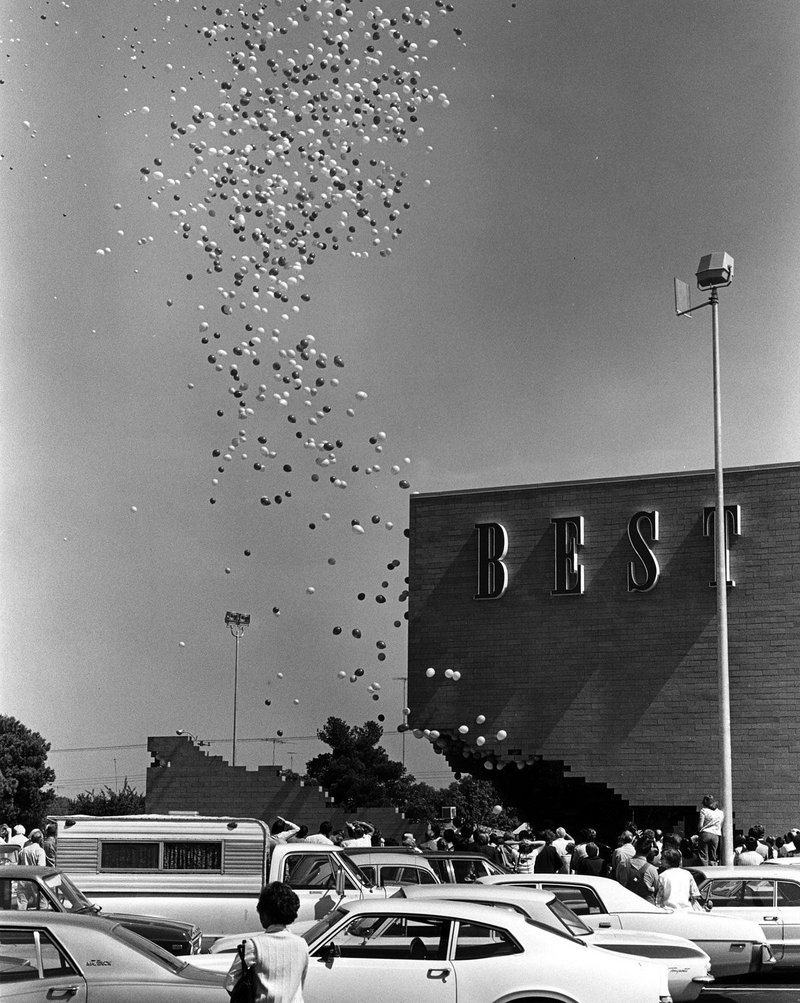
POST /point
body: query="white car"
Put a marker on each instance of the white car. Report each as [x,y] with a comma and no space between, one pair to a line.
[736,947]
[767,895]
[687,965]
[57,956]
[457,952]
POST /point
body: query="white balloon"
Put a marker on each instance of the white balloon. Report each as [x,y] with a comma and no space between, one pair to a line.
[502,735]
[430,673]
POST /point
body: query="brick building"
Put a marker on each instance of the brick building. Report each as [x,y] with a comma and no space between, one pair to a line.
[183,777]
[581,618]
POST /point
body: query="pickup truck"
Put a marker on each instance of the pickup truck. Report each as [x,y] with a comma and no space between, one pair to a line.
[206,870]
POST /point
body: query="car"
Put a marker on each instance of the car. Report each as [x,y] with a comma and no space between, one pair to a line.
[688,966]
[459,866]
[736,947]
[767,895]
[458,952]
[58,956]
[395,867]
[50,890]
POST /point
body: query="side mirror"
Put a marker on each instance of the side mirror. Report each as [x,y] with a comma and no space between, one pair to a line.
[340,877]
[329,952]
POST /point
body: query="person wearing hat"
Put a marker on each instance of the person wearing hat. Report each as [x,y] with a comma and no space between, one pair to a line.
[19,836]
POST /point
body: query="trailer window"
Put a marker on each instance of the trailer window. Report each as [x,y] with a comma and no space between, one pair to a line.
[193,857]
[124,856]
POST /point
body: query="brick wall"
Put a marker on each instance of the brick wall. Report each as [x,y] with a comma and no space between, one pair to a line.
[183,777]
[618,687]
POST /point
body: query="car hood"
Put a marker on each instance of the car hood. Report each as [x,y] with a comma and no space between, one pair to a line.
[153,924]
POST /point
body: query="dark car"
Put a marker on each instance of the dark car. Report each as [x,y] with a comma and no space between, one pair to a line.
[44,889]
[461,866]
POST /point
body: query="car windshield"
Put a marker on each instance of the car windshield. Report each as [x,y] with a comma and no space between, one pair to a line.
[70,897]
[314,933]
[147,947]
[351,865]
[567,918]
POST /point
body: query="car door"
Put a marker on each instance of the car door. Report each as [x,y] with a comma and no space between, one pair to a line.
[313,877]
[749,898]
[486,960]
[34,969]
[396,958]
[789,909]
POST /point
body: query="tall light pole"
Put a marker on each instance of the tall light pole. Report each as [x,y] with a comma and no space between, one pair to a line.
[237,622]
[715,271]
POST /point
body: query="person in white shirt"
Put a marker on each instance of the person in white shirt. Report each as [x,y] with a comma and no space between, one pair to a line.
[324,834]
[32,854]
[280,957]
[283,830]
[676,887]
[709,831]
[361,834]
[19,836]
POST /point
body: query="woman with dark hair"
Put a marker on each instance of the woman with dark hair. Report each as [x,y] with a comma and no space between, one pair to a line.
[709,831]
[280,958]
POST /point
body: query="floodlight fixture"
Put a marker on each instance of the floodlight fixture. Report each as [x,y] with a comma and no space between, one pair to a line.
[715,270]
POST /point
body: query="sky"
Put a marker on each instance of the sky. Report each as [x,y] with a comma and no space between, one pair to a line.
[535,174]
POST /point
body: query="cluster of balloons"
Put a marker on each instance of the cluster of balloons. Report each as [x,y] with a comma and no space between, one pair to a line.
[292,162]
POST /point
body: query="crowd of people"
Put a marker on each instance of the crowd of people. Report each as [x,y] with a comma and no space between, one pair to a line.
[32,849]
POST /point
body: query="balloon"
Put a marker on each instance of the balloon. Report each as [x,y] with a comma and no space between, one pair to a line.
[502,735]
[480,740]
[497,809]
[456,675]
[463,729]
[480,719]
[430,673]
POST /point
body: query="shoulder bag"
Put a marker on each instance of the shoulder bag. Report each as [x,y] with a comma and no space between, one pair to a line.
[245,989]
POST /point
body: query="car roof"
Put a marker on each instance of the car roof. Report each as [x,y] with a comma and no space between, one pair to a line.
[457,854]
[381,850]
[481,914]
[745,871]
[615,897]
[472,891]
[388,858]
[18,871]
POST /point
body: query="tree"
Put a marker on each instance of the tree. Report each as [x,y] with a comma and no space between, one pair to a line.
[473,799]
[127,801]
[24,775]
[358,772]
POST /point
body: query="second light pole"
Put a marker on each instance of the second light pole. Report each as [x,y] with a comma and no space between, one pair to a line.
[237,622]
